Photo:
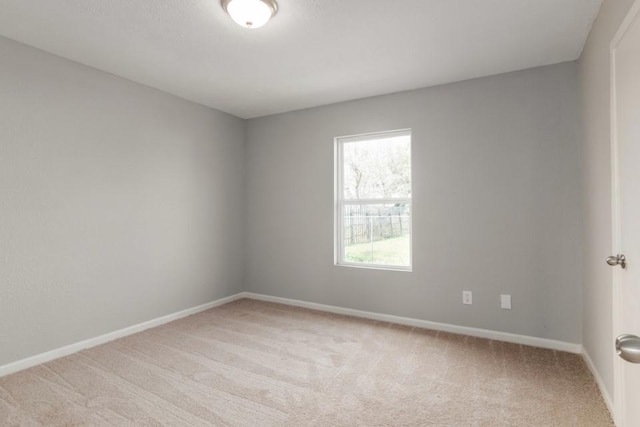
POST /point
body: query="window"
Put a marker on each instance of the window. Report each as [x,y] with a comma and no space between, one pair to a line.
[373,200]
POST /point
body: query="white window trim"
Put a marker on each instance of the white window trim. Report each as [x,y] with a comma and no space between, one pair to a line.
[340,202]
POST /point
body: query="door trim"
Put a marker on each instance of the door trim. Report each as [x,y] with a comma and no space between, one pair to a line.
[618,377]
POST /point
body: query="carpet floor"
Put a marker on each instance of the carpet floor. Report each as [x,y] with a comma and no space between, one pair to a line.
[251,363]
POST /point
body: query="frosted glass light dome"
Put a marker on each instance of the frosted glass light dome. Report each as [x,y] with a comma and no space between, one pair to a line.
[250,13]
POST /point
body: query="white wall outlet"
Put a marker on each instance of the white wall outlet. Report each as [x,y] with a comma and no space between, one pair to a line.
[467,297]
[505,302]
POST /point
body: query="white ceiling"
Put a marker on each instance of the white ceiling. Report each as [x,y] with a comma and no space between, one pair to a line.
[313,52]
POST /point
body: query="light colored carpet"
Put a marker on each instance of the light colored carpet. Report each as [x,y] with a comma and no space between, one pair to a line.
[251,363]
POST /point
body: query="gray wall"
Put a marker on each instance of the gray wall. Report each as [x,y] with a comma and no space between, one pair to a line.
[497,206]
[595,90]
[119,203]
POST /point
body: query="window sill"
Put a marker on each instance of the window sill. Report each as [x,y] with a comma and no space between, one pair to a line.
[376,267]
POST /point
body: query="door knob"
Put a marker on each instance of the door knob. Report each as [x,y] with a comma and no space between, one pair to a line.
[619,259]
[628,348]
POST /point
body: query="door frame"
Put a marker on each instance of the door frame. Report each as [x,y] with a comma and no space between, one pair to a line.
[618,367]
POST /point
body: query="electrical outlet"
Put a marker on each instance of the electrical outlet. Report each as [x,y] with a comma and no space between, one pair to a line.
[505,302]
[467,297]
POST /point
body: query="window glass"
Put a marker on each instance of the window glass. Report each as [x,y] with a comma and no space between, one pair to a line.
[373,206]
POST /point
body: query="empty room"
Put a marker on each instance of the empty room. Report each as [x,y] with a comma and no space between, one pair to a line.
[319,213]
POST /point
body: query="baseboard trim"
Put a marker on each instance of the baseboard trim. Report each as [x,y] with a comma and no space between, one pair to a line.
[603,390]
[463,330]
[92,342]
[38,359]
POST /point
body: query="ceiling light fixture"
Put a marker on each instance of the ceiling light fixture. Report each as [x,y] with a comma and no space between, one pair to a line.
[250,13]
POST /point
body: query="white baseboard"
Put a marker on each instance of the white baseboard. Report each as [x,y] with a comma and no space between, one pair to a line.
[463,330]
[603,389]
[92,342]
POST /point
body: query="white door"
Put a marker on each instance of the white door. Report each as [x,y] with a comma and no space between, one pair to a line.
[625,72]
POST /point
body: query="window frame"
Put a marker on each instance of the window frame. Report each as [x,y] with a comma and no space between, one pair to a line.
[340,201]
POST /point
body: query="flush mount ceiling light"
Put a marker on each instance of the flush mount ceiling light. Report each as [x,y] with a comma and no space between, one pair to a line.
[250,13]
